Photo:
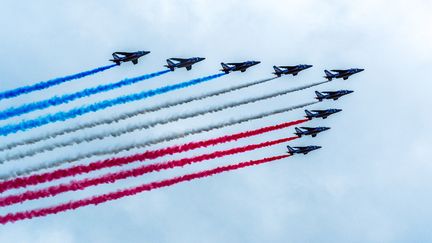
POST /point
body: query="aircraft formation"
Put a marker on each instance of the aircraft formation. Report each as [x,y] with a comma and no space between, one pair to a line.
[37,175]
[278,71]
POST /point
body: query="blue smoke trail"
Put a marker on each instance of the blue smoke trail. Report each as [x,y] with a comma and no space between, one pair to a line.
[56,100]
[62,116]
[46,84]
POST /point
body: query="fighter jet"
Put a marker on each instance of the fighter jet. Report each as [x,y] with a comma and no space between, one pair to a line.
[321,113]
[119,56]
[331,95]
[294,70]
[311,131]
[241,66]
[182,62]
[345,74]
[302,150]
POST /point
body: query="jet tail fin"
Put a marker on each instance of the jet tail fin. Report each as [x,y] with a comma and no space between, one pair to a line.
[309,115]
[320,96]
[225,67]
[170,65]
[116,58]
[290,150]
[329,75]
[278,71]
[298,132]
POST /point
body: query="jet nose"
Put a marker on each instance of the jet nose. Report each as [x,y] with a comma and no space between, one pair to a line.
[338,110]
[257,62]
[201,58]
[326,128]
[360,70]
[350,91]
[308,66]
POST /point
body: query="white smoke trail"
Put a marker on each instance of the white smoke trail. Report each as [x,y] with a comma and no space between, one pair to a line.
[29,170]
[147,125]
[125,116]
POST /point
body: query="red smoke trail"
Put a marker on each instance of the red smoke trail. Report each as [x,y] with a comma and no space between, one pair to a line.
[95,200]
[151,154]
[112,177]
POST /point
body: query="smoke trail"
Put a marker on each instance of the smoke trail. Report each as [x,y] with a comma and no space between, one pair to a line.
[62,116]
[95,200]
[150,154]
[56,100]
[46,84]
[125,116]
[29,170]
[112,177]
[146,125]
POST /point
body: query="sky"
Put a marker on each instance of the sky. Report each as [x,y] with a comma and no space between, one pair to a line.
[369,182]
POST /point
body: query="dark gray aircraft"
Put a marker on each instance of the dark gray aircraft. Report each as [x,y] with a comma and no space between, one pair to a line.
[240,66]
[302,150]
[311,131]
[321,113]
[345,74]
[119,56]
[331,95]
[294,70]
[182,62]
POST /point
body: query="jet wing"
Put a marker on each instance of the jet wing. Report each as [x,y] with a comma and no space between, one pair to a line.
[123,53]
[178,59]
[287,67]
[319,111]
[339,71]
[329,92]
[307,128]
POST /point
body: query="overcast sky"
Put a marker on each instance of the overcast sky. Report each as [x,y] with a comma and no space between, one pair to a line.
[371,182]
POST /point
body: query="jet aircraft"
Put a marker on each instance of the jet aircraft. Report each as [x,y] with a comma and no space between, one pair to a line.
[119,56]
[321,113]
[331,95]
[311,131]
[182,62]
[294,70]
[241,66]
[302,150]
[344,74]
